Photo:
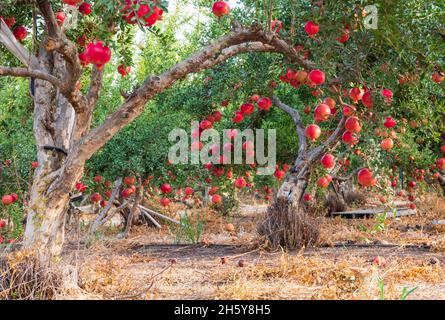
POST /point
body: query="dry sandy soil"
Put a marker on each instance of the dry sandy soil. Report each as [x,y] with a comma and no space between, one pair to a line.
[151,265]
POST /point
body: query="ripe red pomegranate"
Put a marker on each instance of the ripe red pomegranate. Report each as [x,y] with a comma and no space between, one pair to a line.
[323,182]
[349,138]
[264,103]
[438,77]
[123,70]
[205,124]
[389,122]
[367,100]
[2,224]
[276,26]
[238,117]
[98,54]
[440,163]
[9,21]
[330,102]
[60,17]
[15,197]
[313,132]
[20,33]
[34,164]
[387,144]
[344,36]
[84,59]
[72,2]
[328,161]
[166,188]
[322,112]
[311,28]
[279,174]
[165,202]
[127,192]
[220,9]
[352,124]
[108,193]
[317,76]
[365,178]
[356,94]
[411,184]
[98,179]
[217,115]
[85,8]
[188,191]
[412,206]
[81,187]
[247,108]
[387,95]
[7,199]
[240,183]
[307,197]
[96,197]
[129,181]
[348,110]
[216,199]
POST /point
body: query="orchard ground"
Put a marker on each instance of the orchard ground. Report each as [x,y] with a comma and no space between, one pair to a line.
[150,264]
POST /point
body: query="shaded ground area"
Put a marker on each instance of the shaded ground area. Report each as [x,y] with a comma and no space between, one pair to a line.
[149,265]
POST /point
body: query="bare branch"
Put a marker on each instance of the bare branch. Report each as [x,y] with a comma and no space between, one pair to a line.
[28,73]
[298,123]
[95,86]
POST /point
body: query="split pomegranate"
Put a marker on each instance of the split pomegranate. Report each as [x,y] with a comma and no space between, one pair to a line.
[313,132]
[220,9]
[317,76]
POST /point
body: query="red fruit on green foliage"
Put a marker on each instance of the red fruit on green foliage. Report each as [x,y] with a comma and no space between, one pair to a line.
[103,203]
[166,188]
[352,124]
[344,36]
[188,191]
[129,181]
[438,77]
[123,70]
[264,103]
[126,192]
[279,174]
[81,187]
[389,122]
[83,58]
[108,193]
[96,197]
[240,183]
[217,116]
[20,33]
[98,54]
[348,110]
[440,163]
[14,196]
[98,179]
[276,26]
[387,95]
[165,202]
[238,117]
[307,197]
[254,98]
[60,17]
[247,108]
[349,138]
[317,76]
[220,9]
[367,100]
[387,144]
[328,161]
[85,8]
[311,28]
[7,199]
[34,164]
[2,224]
[365,178]
[216,199]
[412,206]
[356,94]
[205,124]
[9,21]
[313,132]
[322,112]
[323,182]
[213,190]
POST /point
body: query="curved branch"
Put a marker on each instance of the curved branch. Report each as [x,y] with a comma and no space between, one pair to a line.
[28,73]
[298,123]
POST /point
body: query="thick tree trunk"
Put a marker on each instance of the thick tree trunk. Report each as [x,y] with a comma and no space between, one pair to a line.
[288,224]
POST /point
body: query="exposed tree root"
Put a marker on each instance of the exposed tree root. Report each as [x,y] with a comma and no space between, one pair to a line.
[288,226]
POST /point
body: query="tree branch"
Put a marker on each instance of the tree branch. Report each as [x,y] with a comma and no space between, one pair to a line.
[23,72]
[298,123]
